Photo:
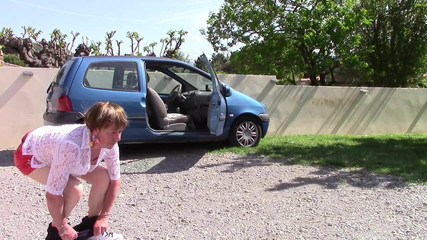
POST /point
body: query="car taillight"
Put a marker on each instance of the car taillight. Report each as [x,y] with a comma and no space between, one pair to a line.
[64,104]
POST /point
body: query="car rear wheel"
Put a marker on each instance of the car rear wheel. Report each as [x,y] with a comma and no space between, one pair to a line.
[246,132]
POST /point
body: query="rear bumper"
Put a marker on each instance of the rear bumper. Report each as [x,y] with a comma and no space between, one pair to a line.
[59,118]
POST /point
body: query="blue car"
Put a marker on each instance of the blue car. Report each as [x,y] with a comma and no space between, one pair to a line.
[166,100]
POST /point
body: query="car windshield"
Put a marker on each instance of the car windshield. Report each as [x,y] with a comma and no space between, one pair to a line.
[195,79]
[166,76]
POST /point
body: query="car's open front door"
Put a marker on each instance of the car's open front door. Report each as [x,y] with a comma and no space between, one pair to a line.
[217,105]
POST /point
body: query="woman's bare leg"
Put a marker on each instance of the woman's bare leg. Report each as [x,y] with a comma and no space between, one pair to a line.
[72,192]
[100,180]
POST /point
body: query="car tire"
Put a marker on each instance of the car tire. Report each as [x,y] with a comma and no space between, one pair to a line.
[245,132]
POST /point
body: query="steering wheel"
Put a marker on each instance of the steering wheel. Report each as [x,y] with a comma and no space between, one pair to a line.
[173,95]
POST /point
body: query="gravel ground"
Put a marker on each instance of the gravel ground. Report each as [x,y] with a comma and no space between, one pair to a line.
[184,192]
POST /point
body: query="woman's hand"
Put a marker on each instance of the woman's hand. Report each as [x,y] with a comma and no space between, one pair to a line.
[66,232]
[101,225]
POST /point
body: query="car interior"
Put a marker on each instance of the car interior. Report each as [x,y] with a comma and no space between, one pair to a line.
[159,118]
[174,101]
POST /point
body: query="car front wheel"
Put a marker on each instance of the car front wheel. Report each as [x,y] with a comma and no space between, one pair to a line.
[246,132]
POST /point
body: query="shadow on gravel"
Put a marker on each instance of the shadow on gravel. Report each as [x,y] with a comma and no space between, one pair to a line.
[328,178]
[243,162]
[6,158]
[333,179]
[149,158]
[162,157]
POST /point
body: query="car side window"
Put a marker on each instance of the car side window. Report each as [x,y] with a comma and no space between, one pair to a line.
[121,76]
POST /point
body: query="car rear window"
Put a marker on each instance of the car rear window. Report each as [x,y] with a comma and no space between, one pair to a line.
[122,76]
[60,76]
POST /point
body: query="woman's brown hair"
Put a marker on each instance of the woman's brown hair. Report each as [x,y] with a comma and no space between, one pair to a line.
[105,114]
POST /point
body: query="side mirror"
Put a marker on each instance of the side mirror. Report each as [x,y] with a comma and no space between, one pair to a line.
[227,91]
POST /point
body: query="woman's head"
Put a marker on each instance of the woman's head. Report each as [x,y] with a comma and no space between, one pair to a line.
[105,114]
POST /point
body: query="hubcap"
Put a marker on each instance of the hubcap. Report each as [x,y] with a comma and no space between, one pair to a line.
[247,134]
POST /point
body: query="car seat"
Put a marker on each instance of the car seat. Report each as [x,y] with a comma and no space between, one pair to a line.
[158,117]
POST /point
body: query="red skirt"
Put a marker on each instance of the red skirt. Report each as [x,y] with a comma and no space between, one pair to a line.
[23,162]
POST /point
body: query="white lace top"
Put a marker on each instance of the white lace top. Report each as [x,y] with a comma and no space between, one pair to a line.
[66,150]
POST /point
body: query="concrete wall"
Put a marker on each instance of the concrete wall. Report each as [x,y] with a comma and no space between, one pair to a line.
[22,102]
[293,109]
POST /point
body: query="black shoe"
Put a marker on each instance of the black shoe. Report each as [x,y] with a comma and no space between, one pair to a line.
[84,234]
[52,233]
[86,224]
[85,228]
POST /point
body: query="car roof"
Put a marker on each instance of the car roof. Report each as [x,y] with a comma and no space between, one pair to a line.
[148,58]
[143,58]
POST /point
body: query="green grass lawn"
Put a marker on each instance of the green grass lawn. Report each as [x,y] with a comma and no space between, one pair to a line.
[398,154]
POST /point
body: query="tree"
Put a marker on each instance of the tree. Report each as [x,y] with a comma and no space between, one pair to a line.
[56,51]
[96,48]
[58,46]
[75,35]
[109,43]
[395,44]
[119,43]
[172,44]
[23,47]
[268,57]
[135,42]
[220,63]
[149,50]
[32,33]
[318,31]
[200,63]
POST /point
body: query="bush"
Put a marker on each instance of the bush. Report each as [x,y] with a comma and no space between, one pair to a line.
[13,59]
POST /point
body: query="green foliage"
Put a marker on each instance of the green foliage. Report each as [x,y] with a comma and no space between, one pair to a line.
[267,58]
[56,51]
[290,37]
[31,32]
[395,43]
[149,50]
[377,43]
[398,154]
[6,32]
[172,44]
[58,37]
[13,59]
[182,56]
[200,63]
[220,63]
[135,41]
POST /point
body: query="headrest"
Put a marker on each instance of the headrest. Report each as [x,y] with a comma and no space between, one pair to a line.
[131,76]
